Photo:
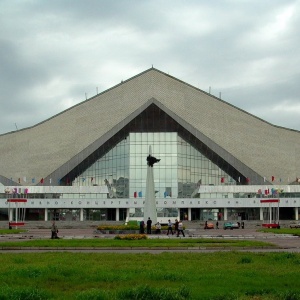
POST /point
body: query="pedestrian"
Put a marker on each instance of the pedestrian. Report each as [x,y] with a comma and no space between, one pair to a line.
[217,225]
[149,223]
[180,228]
[158,228]
[176,226]
[205,225]
[54,231]
[142,227]
[170,227]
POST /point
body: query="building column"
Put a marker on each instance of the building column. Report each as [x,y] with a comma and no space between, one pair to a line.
[225,214]
[81,214]
[117,214]
[261,214]
[10,214]
[46,214]
[127,216]
[189,214]
[296,213]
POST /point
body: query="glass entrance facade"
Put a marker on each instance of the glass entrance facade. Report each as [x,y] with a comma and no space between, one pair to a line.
[179,174]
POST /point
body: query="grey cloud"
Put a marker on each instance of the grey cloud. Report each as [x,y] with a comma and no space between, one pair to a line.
[53,52]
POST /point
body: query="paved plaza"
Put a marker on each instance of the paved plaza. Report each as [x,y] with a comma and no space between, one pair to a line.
[283,242]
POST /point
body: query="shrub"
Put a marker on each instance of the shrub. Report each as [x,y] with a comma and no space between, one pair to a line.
[245,260]
[131,237]
[118,227]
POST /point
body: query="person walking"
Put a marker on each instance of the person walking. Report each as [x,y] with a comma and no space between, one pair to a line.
[142,227]
[158,228]
[149,223]
[180,229]
[205,225]
[54,231]
[217,225]
[170,227]
[176,226]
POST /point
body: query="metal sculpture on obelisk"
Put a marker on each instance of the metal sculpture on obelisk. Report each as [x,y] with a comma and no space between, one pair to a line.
[150,203]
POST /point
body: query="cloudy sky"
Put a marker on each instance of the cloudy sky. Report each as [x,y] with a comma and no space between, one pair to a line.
[54,54]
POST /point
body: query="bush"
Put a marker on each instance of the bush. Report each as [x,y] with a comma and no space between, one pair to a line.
[129,226]
[118,227]
[245,260]
[131,237]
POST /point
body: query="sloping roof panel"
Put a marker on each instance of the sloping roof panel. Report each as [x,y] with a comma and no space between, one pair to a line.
[37,151]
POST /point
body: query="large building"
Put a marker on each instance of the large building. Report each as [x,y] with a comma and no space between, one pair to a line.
[89,161]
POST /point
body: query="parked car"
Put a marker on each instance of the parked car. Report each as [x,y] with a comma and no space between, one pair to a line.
[231,225]
[210,225]
[295,225]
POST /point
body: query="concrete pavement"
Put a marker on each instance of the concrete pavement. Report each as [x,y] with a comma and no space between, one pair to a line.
[283,242]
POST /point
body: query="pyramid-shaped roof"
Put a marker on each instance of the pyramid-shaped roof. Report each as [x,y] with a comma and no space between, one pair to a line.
[253,147]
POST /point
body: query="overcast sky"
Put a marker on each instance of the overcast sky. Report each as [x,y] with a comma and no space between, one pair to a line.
[55,53]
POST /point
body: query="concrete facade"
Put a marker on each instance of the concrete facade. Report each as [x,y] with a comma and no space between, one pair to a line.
[254,149]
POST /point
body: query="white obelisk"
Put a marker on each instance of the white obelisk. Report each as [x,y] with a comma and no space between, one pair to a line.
[150,203]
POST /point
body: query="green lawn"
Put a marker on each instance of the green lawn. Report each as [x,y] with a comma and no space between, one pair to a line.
[293,231]
[11,231]
[167,276]
[151,243]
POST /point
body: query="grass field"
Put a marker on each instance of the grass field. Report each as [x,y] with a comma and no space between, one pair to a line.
[166,276]
[11,231]
[293,231]
[149,243]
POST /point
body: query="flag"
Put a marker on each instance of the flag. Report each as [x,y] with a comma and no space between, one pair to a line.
[50,180]
[135,194]
[222,179]
[24,178]
[239,179]
[273,178]
[19,180]
[264,179]
[247,179]
[33,180]
[140,194]
[42,180]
